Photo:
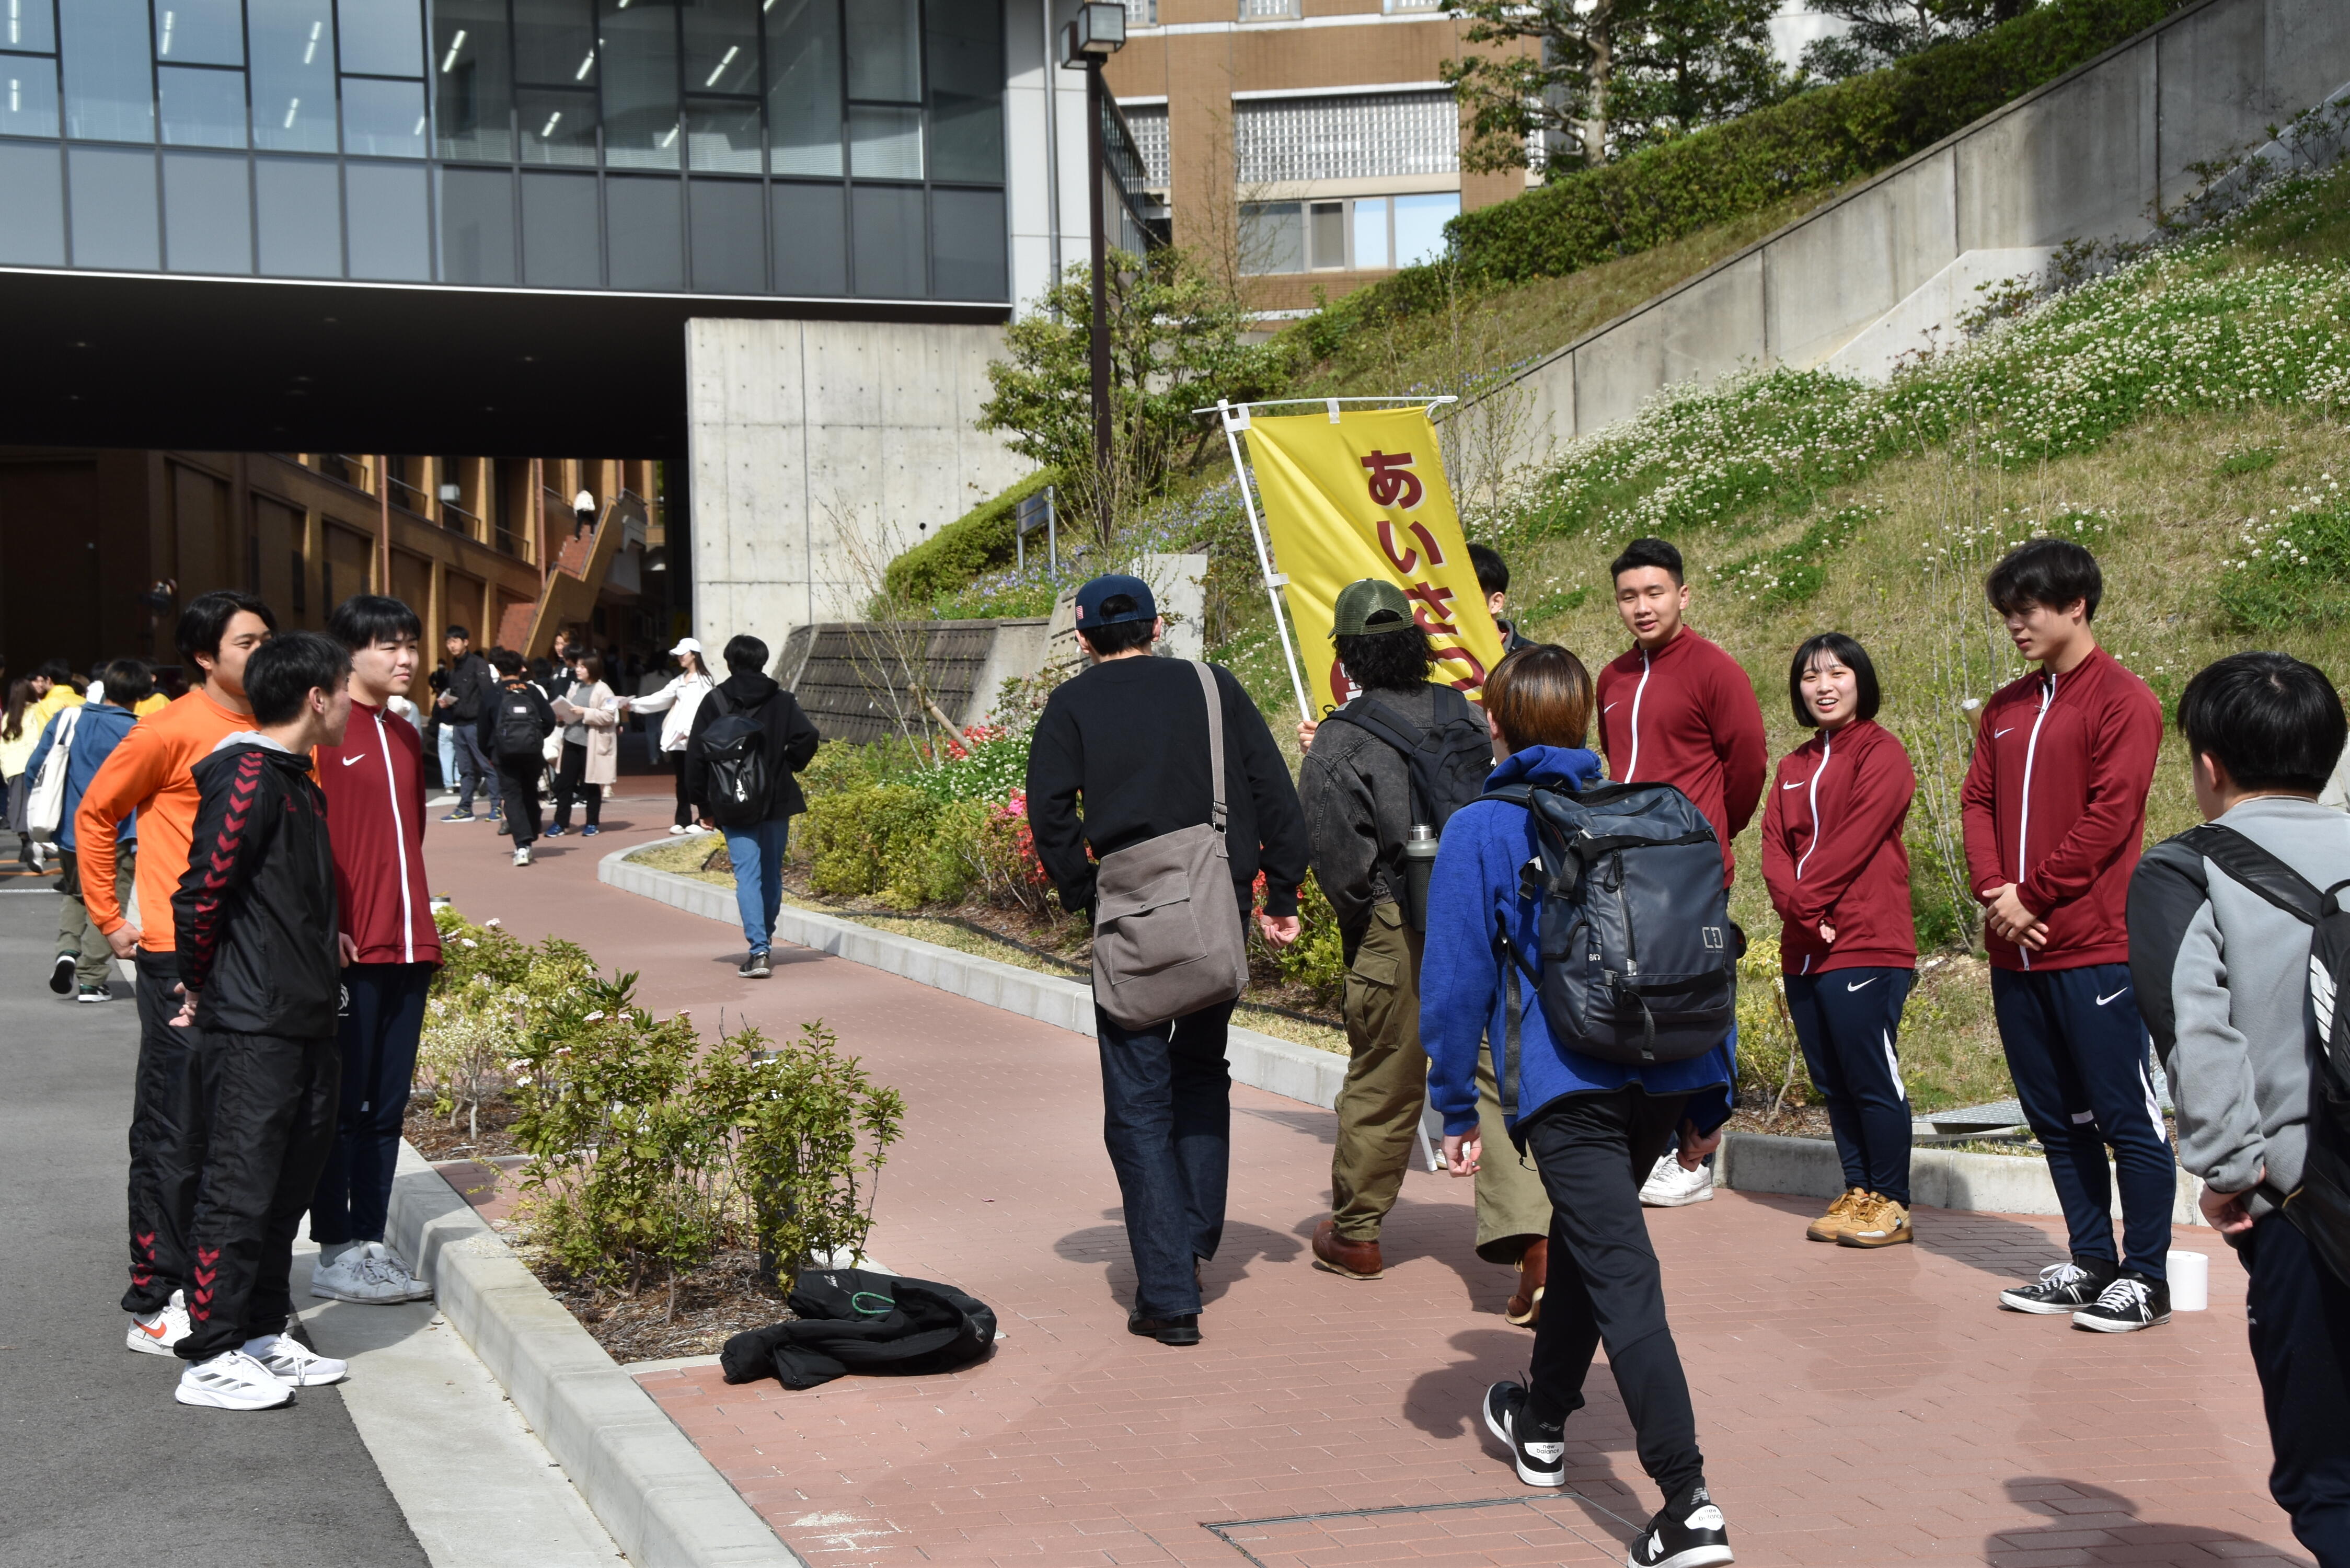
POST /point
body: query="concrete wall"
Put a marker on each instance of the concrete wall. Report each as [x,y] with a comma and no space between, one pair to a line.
[2089,156]
[799,431]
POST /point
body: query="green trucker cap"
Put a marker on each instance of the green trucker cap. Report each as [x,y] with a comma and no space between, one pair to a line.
[1370,605]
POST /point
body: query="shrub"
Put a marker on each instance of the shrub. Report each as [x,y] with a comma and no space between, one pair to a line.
[894,840]
[2295,569]
[978,541]
[1317,959]
[1769,1060]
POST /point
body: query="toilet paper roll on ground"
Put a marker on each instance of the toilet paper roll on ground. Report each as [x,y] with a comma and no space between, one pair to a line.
[2190,1281]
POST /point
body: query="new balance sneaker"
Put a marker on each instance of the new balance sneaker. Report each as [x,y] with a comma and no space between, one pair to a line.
[1540,1457]
[1690,1535]
[232,1381]
[157,1333]
[590,831]
[1877,1222]
[2067,1286]
[2131,1303]
[61,975]
[522,854]
[755,967]
[1830,1225]
[369,1273]
[556,831]
[1673,1185]
[458,816]
[95,993]
[294,1363]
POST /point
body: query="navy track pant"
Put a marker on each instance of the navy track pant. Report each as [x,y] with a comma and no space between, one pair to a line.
[2299,1317]
[383,1015]
[1849,1023]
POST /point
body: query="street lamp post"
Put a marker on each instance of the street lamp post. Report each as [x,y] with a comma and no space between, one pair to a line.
[1097,32]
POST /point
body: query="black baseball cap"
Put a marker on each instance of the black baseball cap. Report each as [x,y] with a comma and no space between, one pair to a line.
[1090,598]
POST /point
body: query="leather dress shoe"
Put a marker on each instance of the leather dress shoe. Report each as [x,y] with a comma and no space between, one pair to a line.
[1184,1330]
[1524,1308]
[1353,1260]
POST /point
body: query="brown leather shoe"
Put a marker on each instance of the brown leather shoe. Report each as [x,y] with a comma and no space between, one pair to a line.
[1354,1260]
[1524,1308]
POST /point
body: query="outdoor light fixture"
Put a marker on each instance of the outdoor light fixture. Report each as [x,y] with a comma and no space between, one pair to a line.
[1099,32]
[452,493]
[1087,44]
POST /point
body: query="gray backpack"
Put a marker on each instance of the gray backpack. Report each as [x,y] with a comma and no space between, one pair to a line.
[1167,936]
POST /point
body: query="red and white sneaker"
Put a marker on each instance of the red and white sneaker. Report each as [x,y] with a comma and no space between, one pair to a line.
[159,1332]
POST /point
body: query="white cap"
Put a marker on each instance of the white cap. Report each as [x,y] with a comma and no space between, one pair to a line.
[686,645]
[583,502]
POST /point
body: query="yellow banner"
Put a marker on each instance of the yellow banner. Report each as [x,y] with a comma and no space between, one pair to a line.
[1365,497]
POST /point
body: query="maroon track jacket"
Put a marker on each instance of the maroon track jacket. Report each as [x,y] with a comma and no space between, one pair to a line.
[1685,716]
[1832,851]
[375,802]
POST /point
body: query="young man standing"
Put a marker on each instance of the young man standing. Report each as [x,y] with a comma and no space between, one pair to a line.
[255,921]
[2224,976]
[470,683]
[1675,709]
[150,773]
[1493,582]
[84,955]
[374,783]
[512,728]
[787,742]
[2054,811]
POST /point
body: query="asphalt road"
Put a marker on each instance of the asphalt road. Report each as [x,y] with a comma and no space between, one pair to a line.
[100,1465]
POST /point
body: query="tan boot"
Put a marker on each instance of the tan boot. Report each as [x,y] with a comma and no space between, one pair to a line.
[1524,1306]
[1349,1260]
[1830,1225]
[1880,1223]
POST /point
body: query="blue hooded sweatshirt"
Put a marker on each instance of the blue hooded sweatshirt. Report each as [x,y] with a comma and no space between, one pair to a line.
[99,730]
[1474,889]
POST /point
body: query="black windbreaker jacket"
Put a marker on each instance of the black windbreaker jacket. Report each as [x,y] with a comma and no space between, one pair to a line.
[255,913]
[792,740]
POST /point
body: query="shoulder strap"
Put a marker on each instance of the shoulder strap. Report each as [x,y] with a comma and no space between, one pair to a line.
[1215,742]
[1516,794]
[2257,869]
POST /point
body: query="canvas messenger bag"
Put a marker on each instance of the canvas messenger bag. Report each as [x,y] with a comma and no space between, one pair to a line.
[1167,939]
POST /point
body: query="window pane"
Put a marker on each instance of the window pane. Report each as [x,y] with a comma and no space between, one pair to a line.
[643,232]
[555,42]
[202,109]
[885,50]
[556,126]
[383,120]
[811,232]
[885,144]
[722,45]
[32,193]
[200,32]
[113,206]
[967,258]
[889,245]
[381,38]
[967,93]
[477,226]
[108,97]
[1420,226]
[729,231]
[28,96]
[293,76]
[471,102]
[640,125]
[1327,225]
[1371,232]
[723,137]
[301,212]
[25,24]
[559,244]
[1272,237]
[803,85]
[389,235]
[207,214]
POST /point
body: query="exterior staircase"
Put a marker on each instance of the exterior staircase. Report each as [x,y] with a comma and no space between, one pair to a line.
[583,565]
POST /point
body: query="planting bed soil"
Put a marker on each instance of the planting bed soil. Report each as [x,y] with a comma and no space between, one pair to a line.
[437,1138]
[693,1315]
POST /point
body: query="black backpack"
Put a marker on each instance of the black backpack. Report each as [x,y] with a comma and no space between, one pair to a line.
[858,1320]
[1448,764]
[2320,1206]
[519,730]
[734,752]
[1639,960]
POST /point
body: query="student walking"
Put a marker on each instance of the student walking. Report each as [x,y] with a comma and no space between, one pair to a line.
[257,919]
[150,773]
[2055,810]
[19,736]
[90,734]
[2221,928]
[590,761]
[1593,1127]
[1493,582]
[373,780]
[749,738]
[1839,876]
[461,700]
[677,703]
[1131,736]
[1675,709]
[513,727]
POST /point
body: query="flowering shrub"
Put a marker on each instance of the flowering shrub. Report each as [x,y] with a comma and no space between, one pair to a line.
[2295,567]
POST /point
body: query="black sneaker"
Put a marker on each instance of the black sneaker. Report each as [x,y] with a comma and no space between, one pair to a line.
[1184,1330]
[2131,1303]
[755,967]
[458,816]
[61,975]
[1540,1457]
[2064,1287]
[1698,1538]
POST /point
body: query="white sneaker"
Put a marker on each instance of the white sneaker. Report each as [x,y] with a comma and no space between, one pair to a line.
[522,856]
[294,1363]
[369,1273]
[1673,1186]
[159,1331]
[232,1381]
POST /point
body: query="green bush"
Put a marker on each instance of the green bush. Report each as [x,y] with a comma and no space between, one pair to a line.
[895,841]
[1317,959]
[974,543]
[1769,1060]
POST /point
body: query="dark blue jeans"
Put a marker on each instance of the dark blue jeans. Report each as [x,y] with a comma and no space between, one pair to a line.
[1849,1021]
[383,1015]
[2078,1053]
[2300,1316]
[1167,1118]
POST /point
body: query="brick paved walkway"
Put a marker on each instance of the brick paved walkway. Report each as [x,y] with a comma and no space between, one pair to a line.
[1856,1407]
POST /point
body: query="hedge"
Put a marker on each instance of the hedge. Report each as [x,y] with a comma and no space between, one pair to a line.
[974,543]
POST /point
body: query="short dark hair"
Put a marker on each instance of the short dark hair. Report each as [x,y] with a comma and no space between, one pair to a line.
[507,661]
[129,681]
[363,621]
[2272,721]
[459,632]
[1846,651]
[594,662]
[57,670]
[1648,552]
[1118,636]
[203,620]
[745,653]
[285,671]
[1540,696]
[1493,572]
[1386,660]
[2051,572]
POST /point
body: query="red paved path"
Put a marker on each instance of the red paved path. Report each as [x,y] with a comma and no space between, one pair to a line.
[1856,1407]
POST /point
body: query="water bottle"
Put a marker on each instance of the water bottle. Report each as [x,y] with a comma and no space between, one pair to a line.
[1419,862]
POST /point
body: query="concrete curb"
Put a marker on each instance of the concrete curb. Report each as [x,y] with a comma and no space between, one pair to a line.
[1261,1061]
[1938,1178]
[664,1504]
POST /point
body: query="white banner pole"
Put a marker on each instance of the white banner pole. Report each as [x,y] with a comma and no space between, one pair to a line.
[1237,421]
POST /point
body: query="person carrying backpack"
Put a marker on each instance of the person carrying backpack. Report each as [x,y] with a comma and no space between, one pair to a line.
[1585,928]
[76,743]
[2233,927]
[1384,775]
[749,737]
[512,730]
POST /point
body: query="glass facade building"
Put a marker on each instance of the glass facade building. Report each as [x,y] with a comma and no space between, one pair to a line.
[836,149]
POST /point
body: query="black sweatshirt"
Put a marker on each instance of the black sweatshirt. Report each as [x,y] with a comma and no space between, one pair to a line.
[1131,737]
[254,913]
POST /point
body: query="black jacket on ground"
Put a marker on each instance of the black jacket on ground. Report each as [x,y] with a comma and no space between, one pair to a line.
[255,914]
[469,678]
[485,727]
[860,1320]
[1131,737]
[792,740]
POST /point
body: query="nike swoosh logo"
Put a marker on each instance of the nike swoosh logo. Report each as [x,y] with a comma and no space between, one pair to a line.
[1613,706]
[1797,784]
[1995,734]
[1872,979]
[155,1333]
[349,761]
[2103,1000]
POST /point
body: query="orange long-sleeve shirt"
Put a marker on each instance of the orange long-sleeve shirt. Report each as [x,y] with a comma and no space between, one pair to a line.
[148,773]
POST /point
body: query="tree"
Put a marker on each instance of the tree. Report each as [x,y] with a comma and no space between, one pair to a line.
[1879,32]
[1691,63]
